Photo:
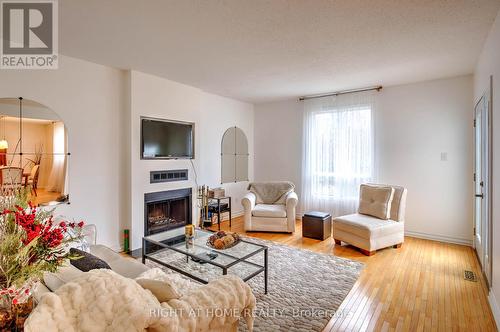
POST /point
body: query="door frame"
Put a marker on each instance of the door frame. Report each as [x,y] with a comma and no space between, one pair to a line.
[489,182]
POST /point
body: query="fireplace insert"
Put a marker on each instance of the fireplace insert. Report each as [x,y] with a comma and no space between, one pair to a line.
[166,210]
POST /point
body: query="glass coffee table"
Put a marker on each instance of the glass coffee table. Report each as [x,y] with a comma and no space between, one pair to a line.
[201,262]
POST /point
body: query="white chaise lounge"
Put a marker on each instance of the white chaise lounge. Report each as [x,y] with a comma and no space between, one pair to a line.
[379,222]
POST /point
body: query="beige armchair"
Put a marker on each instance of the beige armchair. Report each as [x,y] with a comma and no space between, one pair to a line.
[379,222]
[270,207]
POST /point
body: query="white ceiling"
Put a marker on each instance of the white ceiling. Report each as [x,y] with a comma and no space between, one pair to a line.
[32,111]
[261,51]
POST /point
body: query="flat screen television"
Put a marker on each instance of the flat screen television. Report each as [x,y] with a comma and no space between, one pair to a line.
[164,139]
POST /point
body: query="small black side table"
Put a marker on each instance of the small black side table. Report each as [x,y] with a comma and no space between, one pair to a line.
[317,225]
[223,206]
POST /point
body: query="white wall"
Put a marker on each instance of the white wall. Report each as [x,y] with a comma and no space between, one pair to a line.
[101,107]
[489,64]
[415,123]
[89,99]
[160,98]
[34,137]
[278,142]
[217,115]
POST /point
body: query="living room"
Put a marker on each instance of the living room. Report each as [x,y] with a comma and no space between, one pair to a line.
[416,76]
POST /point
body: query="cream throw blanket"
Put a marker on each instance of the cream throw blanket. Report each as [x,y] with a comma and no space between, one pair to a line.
[271,192]
[102,300]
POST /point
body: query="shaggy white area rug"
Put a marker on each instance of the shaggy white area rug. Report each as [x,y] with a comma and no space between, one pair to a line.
[305,288]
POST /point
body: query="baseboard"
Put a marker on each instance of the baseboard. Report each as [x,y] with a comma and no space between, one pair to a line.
[426,236]
[237,213]
[118,248]
[495,309]
[234,214]
[136,253]
[440,238]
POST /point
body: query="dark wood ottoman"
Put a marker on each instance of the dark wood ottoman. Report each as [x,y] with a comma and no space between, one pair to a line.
[317,225]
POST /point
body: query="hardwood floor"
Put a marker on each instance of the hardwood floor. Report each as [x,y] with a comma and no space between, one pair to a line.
[44,196]
[418,287]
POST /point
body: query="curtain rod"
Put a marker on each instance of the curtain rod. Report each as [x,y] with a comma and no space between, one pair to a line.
[331,94]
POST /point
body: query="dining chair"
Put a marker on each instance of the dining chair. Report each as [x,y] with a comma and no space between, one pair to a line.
[11,179]
[33,178]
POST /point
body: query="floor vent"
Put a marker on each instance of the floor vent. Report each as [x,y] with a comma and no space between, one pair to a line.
[470,276]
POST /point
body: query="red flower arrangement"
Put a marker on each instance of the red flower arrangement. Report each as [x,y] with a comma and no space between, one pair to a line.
[31,243]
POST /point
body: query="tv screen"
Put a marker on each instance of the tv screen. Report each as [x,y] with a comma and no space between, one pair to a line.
[166,139]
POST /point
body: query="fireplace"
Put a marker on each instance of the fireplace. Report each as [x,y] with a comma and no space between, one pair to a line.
[166,210]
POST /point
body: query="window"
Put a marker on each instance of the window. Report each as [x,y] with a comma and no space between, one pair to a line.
[341,150]
[338,153]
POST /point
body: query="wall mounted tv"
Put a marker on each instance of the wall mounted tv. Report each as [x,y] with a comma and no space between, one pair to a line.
[164,139]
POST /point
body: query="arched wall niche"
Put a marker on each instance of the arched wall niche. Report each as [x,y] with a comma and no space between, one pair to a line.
[34,152]
[234,154]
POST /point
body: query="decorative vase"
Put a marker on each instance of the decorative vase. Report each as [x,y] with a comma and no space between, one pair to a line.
[13,316]
[189,233]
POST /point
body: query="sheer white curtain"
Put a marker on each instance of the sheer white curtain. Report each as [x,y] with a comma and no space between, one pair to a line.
[57,174]
[338,151]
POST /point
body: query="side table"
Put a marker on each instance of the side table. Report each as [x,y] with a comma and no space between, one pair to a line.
[222,205]
[317,225]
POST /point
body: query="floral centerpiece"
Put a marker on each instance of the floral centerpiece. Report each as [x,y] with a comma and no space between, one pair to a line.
[31,243]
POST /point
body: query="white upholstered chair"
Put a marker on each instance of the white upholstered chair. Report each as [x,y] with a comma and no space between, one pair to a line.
[270,207]
[379,222]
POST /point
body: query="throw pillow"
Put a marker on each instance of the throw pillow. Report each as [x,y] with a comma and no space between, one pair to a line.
[162,290]
[375,201]
[87,261]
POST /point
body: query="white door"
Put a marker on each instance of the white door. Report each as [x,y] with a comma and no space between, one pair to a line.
[481,183]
